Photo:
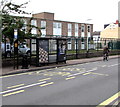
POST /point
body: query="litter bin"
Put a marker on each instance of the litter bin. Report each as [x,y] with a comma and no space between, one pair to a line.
[25,62]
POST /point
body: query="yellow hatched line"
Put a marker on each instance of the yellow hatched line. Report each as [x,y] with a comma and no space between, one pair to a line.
[108,101]
[13,93]
[69,78]
[46,84]
[45,79]
[87,73]
[15,86]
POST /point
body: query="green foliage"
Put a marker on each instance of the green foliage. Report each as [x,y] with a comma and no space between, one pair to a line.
[9,22]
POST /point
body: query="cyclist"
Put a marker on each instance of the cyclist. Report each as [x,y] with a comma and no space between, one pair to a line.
[105,53]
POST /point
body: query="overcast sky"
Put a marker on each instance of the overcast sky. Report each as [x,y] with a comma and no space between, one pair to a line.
[100,11]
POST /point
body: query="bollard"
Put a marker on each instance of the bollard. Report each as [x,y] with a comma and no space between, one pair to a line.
[25,62]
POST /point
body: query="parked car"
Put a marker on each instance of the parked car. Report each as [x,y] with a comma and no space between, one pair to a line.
[22,49]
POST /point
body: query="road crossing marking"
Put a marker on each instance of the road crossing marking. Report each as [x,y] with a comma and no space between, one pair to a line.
[69,78]
[15,86]
[50,83]
[109,100]
[13,93]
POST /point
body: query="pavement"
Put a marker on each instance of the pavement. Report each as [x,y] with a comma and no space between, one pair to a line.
[11,70]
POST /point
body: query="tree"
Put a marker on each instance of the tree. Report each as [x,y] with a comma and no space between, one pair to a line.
[10,22]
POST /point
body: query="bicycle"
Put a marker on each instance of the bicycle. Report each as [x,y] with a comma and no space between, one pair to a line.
[105,57]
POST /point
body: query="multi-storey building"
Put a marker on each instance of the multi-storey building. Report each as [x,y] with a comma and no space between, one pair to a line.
[60,28]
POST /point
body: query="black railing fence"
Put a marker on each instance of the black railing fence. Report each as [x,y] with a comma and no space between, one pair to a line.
[57,48]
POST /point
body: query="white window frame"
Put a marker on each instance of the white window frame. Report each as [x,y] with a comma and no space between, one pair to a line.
[75,44]
[69,45]
[76,30]
[43,31]
[34,30]
[43,24]
[82,28]
[88,28]
[24,26]
[57,28]
[69,29]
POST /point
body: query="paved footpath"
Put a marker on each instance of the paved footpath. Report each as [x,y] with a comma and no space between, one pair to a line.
[11,70]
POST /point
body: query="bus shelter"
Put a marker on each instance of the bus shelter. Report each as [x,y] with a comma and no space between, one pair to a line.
[48,50]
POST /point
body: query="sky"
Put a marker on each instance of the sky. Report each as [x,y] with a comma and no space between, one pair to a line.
[99,11]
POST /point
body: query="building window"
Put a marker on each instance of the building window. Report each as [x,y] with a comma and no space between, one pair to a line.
[82,28]
[43,24]
[43,31]
[69,45]
[76,44]
[82,39]
[76,30]
[82,46]
[69,29]
[88,28]
[24,28]
[54,25]
[34,23]
[57,28]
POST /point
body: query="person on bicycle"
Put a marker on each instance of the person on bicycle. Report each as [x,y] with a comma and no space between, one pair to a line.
[105,53]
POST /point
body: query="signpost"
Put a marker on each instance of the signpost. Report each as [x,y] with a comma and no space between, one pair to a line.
[15,46]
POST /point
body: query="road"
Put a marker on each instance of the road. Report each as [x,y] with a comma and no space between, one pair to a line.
[82,84]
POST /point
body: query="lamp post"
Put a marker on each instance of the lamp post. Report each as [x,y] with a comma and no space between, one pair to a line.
[15,46]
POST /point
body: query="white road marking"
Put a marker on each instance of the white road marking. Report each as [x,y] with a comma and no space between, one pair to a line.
[31,85]
[83,72]
[113,65]
[13,93]
[103,65]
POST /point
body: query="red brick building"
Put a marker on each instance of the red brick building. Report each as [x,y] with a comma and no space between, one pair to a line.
[60,28]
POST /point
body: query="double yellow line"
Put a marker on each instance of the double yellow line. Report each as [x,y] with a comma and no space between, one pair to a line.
[108,101]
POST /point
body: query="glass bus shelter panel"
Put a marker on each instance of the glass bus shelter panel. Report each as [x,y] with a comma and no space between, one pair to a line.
[33,46]
[61,50]
[43,51]
[52,50]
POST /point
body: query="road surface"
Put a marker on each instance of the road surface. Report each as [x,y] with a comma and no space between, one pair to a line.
[82,84]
